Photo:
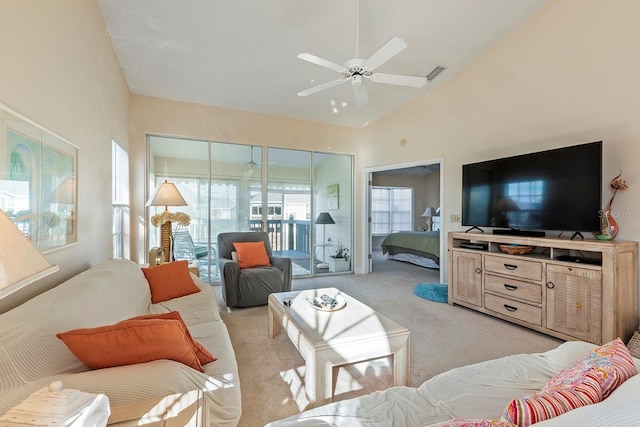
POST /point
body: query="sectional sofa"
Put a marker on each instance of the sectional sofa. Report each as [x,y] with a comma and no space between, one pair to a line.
[32,355]
[478,395]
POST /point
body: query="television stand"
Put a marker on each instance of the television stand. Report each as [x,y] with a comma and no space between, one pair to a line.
[570,289]
[475,227]
[519,232]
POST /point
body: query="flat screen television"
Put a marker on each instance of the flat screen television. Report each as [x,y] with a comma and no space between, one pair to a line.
[557,189]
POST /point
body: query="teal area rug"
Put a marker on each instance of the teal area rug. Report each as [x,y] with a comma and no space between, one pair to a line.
[437,292]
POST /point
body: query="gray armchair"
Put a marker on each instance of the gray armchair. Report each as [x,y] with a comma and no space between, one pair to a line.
[250,286]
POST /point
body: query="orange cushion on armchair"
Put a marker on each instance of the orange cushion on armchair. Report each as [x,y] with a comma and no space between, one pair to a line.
[252,254]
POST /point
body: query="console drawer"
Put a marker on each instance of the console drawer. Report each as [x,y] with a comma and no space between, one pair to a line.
[510,308]
[513,288]
[520,268]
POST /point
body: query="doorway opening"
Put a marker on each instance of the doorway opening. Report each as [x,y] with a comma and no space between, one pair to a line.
[403,217]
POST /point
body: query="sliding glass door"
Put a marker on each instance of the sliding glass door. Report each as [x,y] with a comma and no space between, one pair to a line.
[289,206]
[223,184]
[333,212]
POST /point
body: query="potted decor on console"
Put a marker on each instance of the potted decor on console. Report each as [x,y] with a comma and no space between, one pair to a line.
[608,226]
[340,260]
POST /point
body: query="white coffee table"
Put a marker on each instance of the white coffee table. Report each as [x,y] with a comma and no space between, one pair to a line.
[327,340]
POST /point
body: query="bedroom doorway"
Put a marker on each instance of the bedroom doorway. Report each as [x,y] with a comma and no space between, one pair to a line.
[405,198]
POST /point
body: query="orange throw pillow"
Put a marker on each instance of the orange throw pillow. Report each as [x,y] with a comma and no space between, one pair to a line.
[252,254]
[132,341]
[204,356]
[169,281]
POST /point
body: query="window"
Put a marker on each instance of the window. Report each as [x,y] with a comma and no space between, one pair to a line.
[526,197]
[391,209]
[120,200]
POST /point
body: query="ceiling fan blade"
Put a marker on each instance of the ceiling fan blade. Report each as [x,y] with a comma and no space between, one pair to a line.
[396,79]
[318,88]
[385,53]
[321,62]
[362,97]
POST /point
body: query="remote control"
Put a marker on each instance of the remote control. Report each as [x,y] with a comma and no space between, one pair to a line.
[329,301]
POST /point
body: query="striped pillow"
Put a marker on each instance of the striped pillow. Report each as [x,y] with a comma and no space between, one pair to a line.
[551,402]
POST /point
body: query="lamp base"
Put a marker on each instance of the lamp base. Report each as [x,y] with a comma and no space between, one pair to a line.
[165,241]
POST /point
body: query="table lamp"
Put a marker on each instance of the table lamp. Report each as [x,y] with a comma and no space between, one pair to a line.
[166,194]
[21,262]
[324,218]
[429,213]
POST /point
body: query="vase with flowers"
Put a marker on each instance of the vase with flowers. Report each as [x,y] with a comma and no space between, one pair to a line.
[608,226]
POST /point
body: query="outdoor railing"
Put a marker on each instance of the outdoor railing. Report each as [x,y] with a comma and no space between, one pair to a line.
[286,235]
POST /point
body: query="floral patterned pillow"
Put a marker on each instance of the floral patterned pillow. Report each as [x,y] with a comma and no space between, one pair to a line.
[612,363]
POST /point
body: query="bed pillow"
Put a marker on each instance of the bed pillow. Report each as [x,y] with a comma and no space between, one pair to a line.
[169,281]
[204,355]
[132,341]
[252,254]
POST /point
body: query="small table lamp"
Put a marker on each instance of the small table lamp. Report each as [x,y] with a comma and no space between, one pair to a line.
[324,218]
[429,213]
[166,194]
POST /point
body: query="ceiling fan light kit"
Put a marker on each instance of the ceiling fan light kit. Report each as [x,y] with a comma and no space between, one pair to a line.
[356,70]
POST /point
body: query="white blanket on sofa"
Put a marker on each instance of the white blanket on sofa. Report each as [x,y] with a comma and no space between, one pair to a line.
[479,391]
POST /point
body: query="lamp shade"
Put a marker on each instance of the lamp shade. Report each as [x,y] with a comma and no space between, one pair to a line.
[429,212]
[21,262]
[166,194]
[324,218]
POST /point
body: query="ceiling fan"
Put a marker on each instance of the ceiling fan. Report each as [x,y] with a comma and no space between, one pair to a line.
[357,70]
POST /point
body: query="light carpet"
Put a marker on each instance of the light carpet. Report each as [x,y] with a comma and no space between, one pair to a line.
[442,337]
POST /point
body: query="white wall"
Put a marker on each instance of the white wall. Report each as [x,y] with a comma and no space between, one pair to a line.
[568,75]
[59,70]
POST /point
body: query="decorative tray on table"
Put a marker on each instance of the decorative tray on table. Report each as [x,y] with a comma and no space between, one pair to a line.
[326,302]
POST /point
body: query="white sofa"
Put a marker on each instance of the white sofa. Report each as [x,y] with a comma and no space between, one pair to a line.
[479,391]
[31,356]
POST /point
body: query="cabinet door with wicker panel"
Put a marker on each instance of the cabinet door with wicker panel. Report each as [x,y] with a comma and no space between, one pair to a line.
[574,301]
[467,277]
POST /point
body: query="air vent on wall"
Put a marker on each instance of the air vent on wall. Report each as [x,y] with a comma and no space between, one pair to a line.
[433,74]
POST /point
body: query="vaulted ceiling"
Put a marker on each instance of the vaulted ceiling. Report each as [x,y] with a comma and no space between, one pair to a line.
[242,54]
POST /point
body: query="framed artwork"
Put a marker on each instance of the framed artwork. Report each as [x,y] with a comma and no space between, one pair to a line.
[333,196]
[37,181]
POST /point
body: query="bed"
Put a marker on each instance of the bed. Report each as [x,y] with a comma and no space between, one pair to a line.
[417,247]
